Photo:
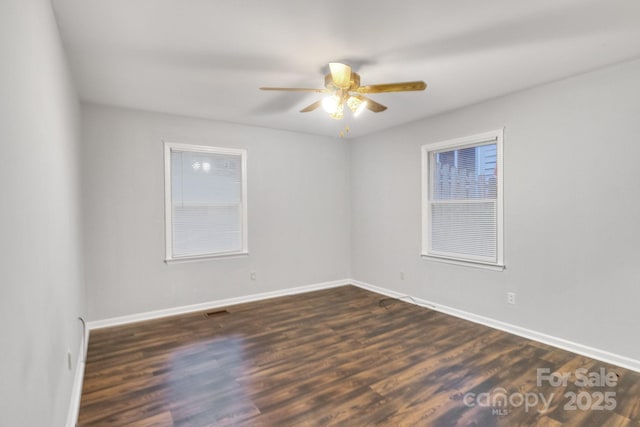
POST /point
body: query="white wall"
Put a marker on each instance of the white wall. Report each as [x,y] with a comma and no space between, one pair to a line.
[298,208]
[41,289]
[572,210]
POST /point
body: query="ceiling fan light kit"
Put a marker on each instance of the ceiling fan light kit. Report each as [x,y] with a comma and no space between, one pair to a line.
[342,86]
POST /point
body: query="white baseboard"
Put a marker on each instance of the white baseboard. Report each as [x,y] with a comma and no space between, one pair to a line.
[76,388]
[149,315]
[594,353]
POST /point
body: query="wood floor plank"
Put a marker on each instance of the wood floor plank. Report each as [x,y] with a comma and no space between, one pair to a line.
[337,357]
[162,419]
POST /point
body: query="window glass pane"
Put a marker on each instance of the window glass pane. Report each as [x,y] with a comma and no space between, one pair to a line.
[206,203]
[462,204]
[467,173]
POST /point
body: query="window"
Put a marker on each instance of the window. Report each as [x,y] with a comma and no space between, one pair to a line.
[205,201]
[462,200]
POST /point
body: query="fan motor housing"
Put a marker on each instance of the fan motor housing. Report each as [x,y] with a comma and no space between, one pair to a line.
[355,82]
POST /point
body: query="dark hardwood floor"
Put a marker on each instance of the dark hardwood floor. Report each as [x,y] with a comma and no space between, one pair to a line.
[342,356]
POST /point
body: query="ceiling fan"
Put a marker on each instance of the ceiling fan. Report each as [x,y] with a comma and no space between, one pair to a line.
[342,86]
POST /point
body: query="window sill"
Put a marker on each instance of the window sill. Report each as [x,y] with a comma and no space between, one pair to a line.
[473,264]
[206,257]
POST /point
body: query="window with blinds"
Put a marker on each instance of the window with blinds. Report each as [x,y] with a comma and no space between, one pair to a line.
[205,191]
[462,200]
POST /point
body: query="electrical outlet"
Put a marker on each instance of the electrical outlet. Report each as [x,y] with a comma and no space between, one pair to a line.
[511,297]
[252,275]
[69,361]
[402,275]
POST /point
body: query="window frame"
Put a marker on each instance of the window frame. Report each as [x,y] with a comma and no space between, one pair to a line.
[495,136]
[170,147]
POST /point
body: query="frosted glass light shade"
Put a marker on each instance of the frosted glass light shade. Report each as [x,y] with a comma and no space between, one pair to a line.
[339,113]
[330,104]
[356,105]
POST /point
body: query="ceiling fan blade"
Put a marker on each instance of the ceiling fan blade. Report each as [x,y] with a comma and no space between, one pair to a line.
[373,105]
[295,89]
[311,107]
[340,74]
[393,87]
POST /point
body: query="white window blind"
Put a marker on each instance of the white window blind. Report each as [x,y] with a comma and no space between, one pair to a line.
[462,207]
[206,201]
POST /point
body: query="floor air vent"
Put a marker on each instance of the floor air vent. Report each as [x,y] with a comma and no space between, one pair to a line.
[215,313]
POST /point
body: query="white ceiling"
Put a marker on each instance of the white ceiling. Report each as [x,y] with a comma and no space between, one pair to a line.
[207,58]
